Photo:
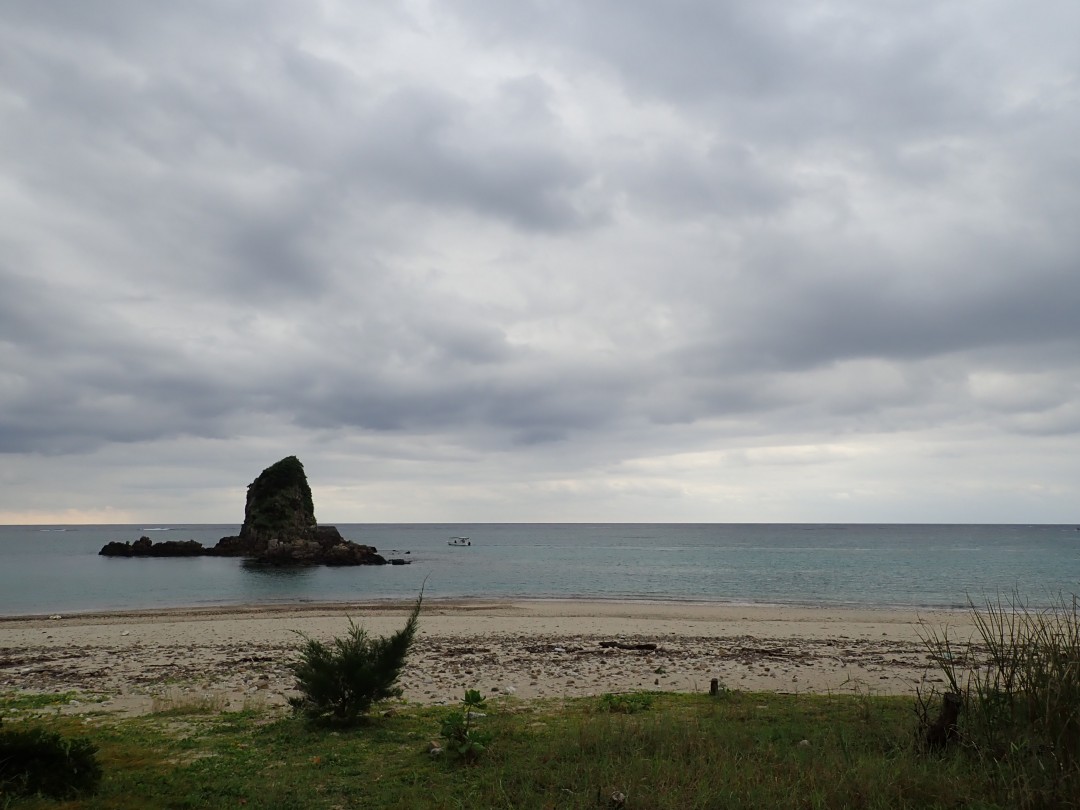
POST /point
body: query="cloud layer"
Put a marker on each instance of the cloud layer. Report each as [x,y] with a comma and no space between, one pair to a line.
[537,261]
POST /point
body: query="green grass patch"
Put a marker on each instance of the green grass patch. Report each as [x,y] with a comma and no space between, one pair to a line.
[685,751]
[35,701]
[626,702]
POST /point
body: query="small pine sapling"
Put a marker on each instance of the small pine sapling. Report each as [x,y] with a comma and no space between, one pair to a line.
[339,682]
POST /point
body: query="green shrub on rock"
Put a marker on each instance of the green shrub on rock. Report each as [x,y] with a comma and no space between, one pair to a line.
[339,682]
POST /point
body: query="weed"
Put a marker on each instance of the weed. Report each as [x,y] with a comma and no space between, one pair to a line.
[626,703]
[177,702]
[462,737]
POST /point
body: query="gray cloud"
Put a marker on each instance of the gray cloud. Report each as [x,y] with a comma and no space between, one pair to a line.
[577,251]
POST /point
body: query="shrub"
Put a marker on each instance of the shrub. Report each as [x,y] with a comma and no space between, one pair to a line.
[34,760]
[339,682]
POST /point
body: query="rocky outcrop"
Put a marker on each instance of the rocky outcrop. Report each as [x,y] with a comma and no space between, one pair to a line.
[279,510]
[143,547]
[279,528]
[327,547]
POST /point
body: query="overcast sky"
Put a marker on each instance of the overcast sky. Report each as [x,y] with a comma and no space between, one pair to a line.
[473,260]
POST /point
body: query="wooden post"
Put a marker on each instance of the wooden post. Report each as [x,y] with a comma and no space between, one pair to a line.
[714,687]
[943,730]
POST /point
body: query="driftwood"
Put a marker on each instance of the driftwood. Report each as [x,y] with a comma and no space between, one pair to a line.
[944,730]
[621,646]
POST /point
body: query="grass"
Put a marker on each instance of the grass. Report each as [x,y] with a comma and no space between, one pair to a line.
[36,701]
[176,701]
[625,703]
[1018,683]
[1017,744]
[678,751]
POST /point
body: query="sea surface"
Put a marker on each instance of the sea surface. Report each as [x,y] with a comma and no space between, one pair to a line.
[57,569]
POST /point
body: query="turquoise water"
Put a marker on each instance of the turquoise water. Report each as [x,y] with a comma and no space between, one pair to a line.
[45,570]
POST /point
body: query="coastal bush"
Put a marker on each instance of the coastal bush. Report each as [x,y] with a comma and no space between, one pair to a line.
[34,760]
[1018,685]
[339,682]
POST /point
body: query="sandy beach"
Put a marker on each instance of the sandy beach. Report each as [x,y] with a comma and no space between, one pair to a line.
[525,649]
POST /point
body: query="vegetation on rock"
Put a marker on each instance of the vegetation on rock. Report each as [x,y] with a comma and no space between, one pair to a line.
[279,503]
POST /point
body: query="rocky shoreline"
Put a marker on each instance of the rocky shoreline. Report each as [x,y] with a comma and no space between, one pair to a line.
[327,548]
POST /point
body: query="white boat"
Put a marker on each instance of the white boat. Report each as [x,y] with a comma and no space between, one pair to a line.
[459,541]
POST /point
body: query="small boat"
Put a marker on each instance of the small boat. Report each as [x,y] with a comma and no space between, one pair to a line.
[459,541]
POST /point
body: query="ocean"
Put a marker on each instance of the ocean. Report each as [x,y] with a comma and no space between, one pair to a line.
[57,569]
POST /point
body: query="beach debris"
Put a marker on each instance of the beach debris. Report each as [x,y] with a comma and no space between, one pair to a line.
[56,616]
[647,646]
[434,749]
[804,743]
[618,799]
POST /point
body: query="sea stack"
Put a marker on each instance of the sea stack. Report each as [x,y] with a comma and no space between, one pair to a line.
[280,527]
[279,510]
